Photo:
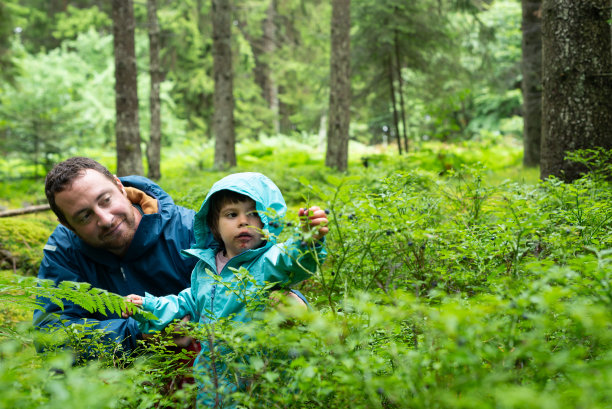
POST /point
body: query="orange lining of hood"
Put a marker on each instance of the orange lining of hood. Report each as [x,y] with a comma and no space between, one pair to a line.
[146,202]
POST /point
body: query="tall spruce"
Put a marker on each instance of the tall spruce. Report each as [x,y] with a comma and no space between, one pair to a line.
[577,83]
[340,86]
[531,65]
[392,39]
[129,156]
[263,47]
[8,68]
[223,100]
[154,145]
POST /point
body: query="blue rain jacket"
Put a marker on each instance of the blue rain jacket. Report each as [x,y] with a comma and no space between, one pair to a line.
[153,263]
[207,301]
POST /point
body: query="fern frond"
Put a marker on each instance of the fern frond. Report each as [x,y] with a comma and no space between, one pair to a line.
[24,290]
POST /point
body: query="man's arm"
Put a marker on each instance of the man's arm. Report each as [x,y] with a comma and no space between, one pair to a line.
[56,267]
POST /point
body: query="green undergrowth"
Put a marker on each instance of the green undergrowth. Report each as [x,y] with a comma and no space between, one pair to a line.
[461,286]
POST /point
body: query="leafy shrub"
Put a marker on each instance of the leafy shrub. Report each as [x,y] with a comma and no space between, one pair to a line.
[449,291]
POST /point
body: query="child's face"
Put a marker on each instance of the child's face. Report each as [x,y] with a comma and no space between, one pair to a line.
[239,227]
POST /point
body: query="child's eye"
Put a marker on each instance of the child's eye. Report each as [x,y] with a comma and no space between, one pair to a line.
[230,215]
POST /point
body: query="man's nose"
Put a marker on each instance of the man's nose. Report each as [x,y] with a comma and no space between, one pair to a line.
[105,219]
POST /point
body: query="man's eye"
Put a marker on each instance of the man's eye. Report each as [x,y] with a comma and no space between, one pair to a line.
[105,200]
[84,218]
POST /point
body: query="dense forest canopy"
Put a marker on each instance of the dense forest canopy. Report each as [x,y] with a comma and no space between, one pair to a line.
[454,67]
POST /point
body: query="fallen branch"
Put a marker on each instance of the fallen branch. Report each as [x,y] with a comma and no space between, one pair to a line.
[24,210]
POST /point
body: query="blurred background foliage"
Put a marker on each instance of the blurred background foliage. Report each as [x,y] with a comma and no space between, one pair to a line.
[460,71]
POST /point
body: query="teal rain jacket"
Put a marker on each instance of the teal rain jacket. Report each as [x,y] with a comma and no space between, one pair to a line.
[207,300]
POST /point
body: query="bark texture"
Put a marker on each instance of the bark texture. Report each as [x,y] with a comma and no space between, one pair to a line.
[577,83]
[340,86]
[154,145]
[129,155]
[223,100]
[531,66]
[394,104]
[400,88]
[263,48]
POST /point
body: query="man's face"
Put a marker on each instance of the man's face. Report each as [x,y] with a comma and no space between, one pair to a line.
[99,212]
[240,227]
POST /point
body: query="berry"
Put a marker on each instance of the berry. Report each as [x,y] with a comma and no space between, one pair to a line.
[327,211]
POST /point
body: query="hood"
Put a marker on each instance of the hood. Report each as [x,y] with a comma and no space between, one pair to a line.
[268,199]
[149,230]
[151,225]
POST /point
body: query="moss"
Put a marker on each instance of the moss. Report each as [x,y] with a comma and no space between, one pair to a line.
[22,240]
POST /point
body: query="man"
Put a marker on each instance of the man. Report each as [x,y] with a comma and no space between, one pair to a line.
[124,235]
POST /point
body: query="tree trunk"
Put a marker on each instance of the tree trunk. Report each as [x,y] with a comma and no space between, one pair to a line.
[531,66]
[263,49]
[223,101]
[129,156]
[393,103]
[340,86]
[154,145]
[398,68]
[577,85]
[270,88]
[284,114]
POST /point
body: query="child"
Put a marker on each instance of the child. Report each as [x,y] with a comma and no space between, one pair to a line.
[243,211]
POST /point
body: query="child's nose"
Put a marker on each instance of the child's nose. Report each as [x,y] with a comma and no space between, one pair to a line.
[243,220]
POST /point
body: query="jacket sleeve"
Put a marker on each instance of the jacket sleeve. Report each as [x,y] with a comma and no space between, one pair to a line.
[291,262]
[51,316]
[166,309]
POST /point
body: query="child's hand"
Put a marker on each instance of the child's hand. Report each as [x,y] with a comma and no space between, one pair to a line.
[315,217]
[134,299]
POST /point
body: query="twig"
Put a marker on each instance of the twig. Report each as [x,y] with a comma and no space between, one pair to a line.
[24,210]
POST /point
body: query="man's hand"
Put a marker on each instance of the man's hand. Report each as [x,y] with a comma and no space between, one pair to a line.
[312,217]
